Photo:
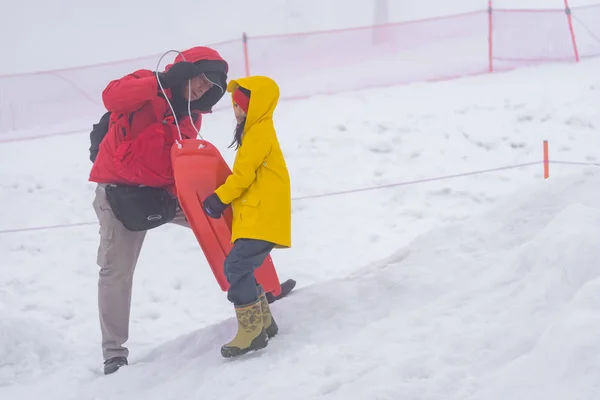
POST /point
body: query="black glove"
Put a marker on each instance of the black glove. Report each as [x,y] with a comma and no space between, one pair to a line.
[178,74]
[213,206]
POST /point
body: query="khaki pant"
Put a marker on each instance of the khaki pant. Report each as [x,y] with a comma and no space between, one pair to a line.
[118,253]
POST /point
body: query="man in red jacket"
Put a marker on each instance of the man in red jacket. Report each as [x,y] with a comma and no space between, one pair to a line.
[136,152]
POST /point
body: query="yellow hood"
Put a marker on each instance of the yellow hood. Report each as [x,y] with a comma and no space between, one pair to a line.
[264,95]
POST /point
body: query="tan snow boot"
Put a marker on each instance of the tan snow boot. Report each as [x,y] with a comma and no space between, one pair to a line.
[251,333]
[268,321]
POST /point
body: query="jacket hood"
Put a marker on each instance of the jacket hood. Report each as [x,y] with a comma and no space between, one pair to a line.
[199,53]
[214,67]
[264,96]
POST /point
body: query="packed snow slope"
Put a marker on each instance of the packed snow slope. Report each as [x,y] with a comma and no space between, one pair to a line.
[492,294]
[503,305]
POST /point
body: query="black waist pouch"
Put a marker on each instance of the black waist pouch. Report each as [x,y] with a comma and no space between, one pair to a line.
[140,208]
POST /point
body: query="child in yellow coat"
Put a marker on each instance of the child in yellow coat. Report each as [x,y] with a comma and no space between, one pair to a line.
[259,193]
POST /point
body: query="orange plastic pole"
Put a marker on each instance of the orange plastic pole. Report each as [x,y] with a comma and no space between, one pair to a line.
[490,37]
[570,19]
[246,56]
[546,161]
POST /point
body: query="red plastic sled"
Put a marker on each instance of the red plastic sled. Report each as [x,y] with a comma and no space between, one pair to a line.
[199,169]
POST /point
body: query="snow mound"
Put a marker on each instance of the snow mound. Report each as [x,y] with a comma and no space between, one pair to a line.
[501,305]
[28,348]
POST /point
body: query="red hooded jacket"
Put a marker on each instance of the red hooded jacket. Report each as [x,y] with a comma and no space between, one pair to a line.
[136,148]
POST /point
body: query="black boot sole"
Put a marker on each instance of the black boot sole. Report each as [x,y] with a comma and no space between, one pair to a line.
[286,288]
[112,367]
[272,329]
[259,342]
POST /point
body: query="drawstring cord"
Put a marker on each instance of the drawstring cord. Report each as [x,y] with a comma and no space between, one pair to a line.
[169,102]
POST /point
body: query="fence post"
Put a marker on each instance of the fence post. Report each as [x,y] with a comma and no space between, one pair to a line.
[546,161]
[490,37]
[380,21]
[570,19]
[246,57]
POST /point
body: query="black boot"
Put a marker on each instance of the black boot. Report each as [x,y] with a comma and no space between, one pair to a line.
[113,364]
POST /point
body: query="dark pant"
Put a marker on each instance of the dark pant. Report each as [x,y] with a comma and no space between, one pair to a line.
[245,256]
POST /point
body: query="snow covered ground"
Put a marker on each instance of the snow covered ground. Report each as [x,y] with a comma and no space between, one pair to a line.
[480,287]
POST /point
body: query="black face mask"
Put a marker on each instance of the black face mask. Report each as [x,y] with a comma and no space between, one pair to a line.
[203,104]
[179,103]
[217,70]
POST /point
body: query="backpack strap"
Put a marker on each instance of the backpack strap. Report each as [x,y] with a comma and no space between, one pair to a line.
[98,133]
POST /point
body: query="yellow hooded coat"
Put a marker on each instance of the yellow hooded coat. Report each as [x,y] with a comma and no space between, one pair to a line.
[259,188]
